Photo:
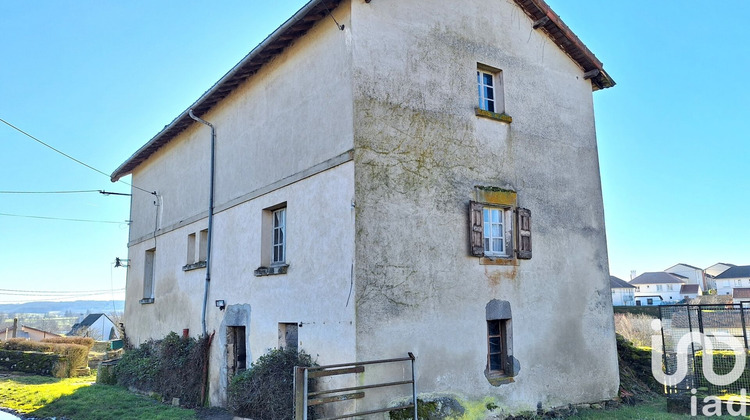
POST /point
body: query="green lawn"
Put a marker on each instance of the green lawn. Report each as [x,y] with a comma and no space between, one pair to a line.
[76,398]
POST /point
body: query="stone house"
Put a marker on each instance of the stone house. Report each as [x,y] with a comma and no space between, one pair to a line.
[368,183]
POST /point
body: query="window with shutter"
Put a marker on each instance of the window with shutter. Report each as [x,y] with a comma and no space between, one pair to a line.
[499,232]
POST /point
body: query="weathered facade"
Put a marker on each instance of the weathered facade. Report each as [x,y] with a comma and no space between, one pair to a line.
[362,143]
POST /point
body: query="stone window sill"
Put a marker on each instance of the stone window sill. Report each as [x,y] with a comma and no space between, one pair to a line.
[503,117]
[498,261]
[271,271]
[145,301]
[194,266]
[497,379]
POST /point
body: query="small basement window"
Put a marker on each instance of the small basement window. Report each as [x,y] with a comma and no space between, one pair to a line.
[501,366]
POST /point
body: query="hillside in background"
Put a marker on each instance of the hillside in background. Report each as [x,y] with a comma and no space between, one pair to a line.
[75,307]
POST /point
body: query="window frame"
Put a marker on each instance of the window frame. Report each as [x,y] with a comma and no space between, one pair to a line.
[506,231]
[278,237]
[499,357]
[487,102]
[149,271]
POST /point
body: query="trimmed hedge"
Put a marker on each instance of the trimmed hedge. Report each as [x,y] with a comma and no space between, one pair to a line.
[723,363]
[266,390]
[30,362]
[87,342]
[171,367]
[70,356]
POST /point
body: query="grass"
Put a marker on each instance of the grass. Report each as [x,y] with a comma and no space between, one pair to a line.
[655,409]
[76,398]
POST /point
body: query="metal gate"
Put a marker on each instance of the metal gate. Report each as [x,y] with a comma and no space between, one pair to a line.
[305,398]
[715,323]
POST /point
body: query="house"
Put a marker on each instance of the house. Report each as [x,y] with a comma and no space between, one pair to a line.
[656,288]
[731,278]
[690,291]
[35,334]
[741,295]
[371,186]
[623,293]
[97,326]
[692,274]
[713,271]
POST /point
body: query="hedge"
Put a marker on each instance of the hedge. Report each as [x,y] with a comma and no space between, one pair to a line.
[82,341]
[171,367]
[70,356]
[30,362]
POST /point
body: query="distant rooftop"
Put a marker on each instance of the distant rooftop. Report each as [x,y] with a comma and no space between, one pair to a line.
[618,283]
[737,271]
[657,277]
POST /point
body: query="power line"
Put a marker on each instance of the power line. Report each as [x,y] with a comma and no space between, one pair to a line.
[61,218]
[70,157]
[73,292]
[50,192]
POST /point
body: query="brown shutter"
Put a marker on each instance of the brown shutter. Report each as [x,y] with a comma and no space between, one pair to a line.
[476,229]
[523,218]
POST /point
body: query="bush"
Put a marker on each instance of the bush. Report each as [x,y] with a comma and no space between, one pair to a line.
[87,342]
[171,367]
[635,328]
[266,390]
[74,356]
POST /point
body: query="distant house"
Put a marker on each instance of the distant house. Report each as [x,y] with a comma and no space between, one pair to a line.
[741,295]
[737,276]
[691,273]
[34,334]
[659,287]
[690,291]
[713,271]
[97,326]
[623,293]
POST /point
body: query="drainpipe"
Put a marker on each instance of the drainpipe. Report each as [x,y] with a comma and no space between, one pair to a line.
[210,220]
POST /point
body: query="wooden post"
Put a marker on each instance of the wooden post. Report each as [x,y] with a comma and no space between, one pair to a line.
[15,327]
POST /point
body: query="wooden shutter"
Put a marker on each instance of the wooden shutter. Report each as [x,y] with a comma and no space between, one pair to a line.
[523,219]
[476,229]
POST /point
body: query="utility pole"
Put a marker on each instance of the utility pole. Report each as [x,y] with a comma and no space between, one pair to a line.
[15,326]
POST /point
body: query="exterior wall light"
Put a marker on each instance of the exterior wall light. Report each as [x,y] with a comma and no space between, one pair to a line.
[221,304]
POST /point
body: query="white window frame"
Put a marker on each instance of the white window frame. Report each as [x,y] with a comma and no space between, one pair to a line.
[491,97]
[278,236]
[505,227]
[148,275]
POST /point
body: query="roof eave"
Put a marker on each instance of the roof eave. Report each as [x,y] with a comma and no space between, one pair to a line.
[544,18]
[275,43]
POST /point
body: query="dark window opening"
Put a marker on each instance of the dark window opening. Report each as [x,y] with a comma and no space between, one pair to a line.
[497,356]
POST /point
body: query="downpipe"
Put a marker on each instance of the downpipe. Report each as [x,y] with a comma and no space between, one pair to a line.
[210,220]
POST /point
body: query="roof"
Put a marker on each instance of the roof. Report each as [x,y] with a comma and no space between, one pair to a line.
[686,265]
[658,277]
[689,289]
[301,22]
[26,327]
[87,322]
[741,292]
[737,271]
[679,275]
[616,283]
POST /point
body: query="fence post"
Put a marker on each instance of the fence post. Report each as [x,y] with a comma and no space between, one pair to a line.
[744,328]
[299,395]
[414,386]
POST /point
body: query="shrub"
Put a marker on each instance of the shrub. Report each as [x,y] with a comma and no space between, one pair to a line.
[88,342]
[171,367]
[635,328]
[74,356]
[266,390]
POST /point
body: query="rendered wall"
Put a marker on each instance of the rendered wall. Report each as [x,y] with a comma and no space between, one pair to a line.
[419,152]
[285,135]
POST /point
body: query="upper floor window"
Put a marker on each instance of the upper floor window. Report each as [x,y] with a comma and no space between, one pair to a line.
[486,87]
[496,235]
[497,228]
[278,254]
[148,276]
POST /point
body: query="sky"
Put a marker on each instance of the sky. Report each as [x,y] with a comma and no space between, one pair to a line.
[98,79]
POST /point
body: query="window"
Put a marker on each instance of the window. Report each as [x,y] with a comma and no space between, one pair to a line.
[495,235]
[486,87]
[288,335]
[650,301]
[658,287]
[500,363]
[499,232]
[279,237]
[274,244]
[148,276]
[203,245]
[490,96]
[496,355]
[190,249]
